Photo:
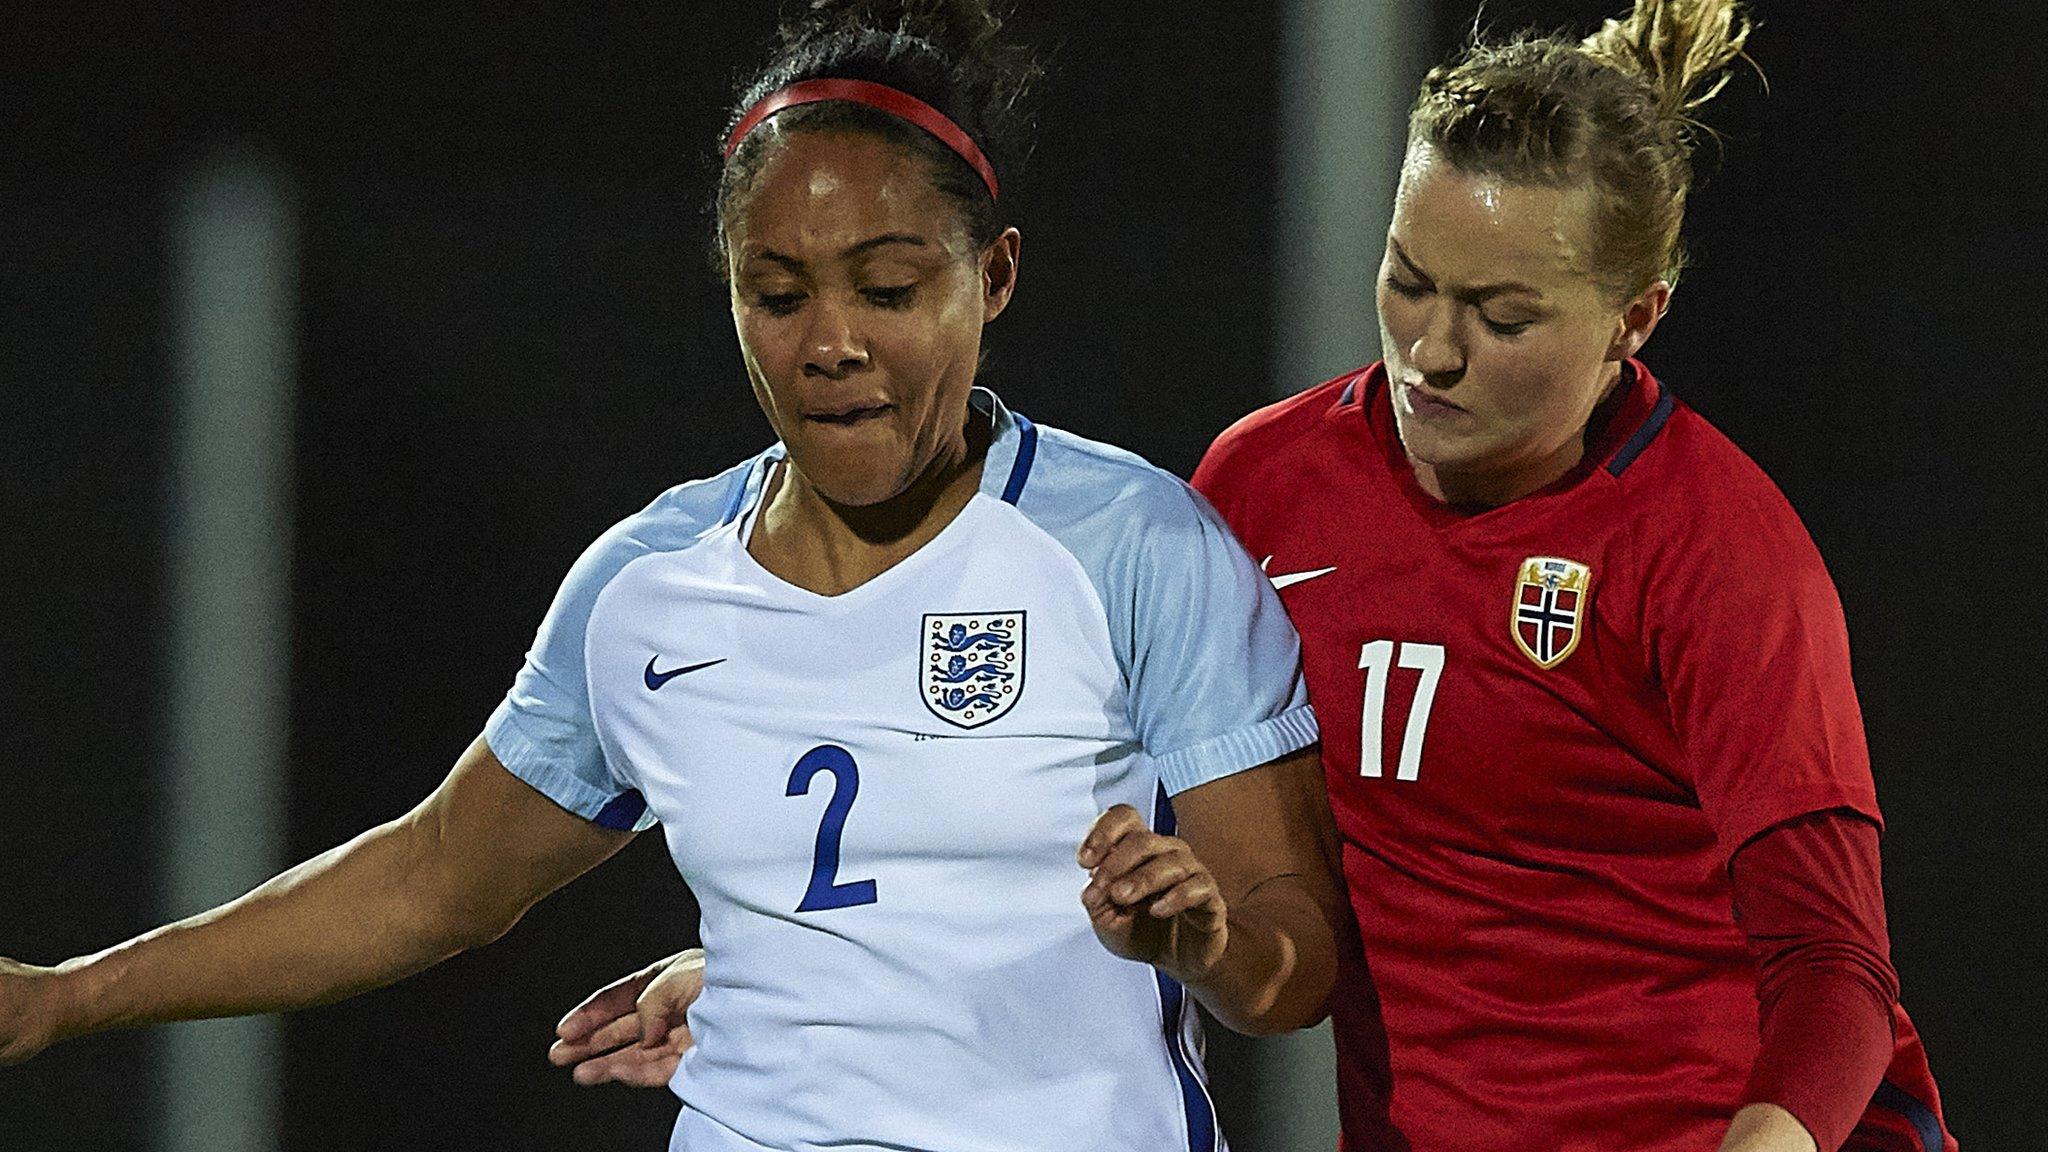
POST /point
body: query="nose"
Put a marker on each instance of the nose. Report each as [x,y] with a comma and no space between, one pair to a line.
[832,348]
[1437,352]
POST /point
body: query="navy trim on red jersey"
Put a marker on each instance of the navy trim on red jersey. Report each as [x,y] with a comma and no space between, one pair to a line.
[1923,1119]
[1020,469]
[1350,391]
[1652,424]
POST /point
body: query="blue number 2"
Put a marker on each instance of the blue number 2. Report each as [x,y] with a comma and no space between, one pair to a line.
[825,891]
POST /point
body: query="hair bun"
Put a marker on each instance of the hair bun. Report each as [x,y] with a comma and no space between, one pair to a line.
[1680,48]
[956,27]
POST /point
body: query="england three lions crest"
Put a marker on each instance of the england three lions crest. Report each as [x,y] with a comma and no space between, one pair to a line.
[972,667]
[1551,600]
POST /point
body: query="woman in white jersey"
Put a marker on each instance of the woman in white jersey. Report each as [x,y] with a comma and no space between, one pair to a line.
[908,693]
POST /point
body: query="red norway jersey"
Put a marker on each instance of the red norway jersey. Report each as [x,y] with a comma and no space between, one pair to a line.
[1546,729]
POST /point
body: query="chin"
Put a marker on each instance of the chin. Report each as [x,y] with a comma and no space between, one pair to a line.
[1431,445]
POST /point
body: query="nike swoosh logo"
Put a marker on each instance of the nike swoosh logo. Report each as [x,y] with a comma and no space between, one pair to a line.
[1288,579]
[656,679]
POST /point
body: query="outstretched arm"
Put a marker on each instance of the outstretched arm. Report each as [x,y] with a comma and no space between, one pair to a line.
[1243,906]
[456,872]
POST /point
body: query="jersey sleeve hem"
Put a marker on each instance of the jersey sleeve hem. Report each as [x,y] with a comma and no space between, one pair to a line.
[1749,821]
[526,759]
[1234,752]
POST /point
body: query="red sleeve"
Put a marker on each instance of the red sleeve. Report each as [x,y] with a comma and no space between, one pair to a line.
[1809,898]
[1746,630]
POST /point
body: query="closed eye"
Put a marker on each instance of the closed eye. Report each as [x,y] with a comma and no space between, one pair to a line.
[892,296]
[780,303]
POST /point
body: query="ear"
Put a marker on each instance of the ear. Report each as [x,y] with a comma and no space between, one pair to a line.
[1638,319]
[999,273]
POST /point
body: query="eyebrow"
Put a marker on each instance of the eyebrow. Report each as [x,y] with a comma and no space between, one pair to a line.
[848,253]
[1478,294]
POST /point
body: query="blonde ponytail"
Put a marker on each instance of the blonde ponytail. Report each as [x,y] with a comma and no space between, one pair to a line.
[1676,47]
[1614,111]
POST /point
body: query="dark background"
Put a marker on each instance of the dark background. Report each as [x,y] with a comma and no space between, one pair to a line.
[508,340]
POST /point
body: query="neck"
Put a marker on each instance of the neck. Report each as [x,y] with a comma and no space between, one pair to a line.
[817,543]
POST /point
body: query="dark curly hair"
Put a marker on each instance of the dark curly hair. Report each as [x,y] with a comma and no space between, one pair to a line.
[947,53]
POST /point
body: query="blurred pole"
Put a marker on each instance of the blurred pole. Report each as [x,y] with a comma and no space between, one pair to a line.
[231,298]
[1350,73]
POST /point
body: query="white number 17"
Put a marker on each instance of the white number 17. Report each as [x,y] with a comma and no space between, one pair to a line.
[1377,659]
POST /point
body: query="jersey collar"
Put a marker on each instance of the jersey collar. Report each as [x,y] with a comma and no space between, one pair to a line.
[1644,407]
[1012,449]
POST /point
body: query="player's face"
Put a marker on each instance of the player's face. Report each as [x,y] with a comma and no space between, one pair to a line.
[1499,340]
[859,300]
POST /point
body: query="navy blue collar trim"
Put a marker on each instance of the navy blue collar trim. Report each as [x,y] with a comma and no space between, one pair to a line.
[1020,468]
[1652,424]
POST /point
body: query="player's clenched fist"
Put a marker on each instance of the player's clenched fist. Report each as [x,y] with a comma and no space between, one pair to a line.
[1151,899]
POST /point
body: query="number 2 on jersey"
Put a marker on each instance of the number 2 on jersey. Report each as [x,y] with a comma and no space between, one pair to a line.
[825,891]
[1378,659]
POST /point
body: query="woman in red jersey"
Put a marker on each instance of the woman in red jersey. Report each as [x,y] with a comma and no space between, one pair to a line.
[1589,729]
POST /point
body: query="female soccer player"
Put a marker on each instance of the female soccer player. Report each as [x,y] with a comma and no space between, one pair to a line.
[884,685]
[1590,736]
[1608,822]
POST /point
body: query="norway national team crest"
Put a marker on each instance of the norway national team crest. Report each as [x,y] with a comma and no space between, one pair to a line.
[972,668]
[1550,608]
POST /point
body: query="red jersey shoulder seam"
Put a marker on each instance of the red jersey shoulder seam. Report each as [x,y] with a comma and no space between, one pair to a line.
[1265,433]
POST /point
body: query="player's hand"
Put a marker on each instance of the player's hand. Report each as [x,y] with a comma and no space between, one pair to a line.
[24,1011]
[633,1030]
[1151,899]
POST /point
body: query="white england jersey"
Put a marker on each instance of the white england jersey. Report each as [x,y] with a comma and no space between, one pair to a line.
[877,796]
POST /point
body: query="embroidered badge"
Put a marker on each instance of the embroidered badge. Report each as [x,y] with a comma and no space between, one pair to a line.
[1550,608]
[972,665]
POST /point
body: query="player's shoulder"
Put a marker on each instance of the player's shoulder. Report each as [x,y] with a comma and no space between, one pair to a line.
[1693,488]
[1267,434]
[1074,476]
[674,521]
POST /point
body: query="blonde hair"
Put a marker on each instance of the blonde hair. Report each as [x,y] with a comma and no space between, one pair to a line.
[1614,110]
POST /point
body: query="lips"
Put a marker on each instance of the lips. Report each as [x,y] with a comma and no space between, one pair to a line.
[1425,403]
[848,413]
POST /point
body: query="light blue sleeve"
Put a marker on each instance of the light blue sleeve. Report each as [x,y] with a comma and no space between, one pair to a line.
[544,730]
[1212,663]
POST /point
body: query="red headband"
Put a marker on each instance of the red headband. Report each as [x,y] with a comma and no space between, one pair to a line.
[901,105]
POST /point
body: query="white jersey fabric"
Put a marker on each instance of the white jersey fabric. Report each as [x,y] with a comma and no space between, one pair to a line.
[877,797]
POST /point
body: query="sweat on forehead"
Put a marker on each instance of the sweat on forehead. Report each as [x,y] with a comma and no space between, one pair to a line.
[1481,226]
[832,195]
[870,152]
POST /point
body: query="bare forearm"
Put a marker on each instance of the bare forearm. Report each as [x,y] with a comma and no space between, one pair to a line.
[457,871]
[354,918]
[1279,965]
